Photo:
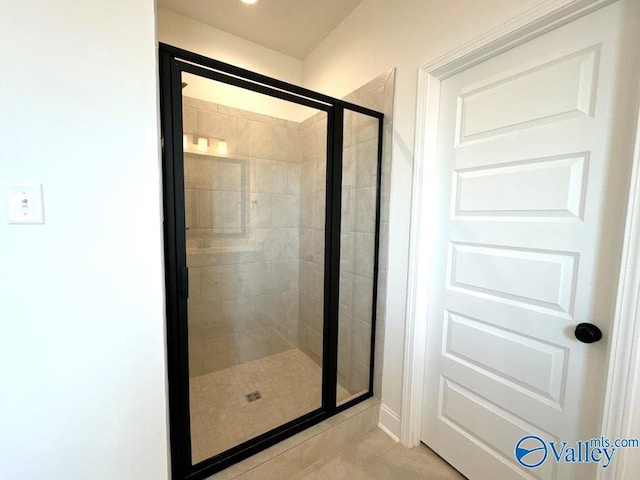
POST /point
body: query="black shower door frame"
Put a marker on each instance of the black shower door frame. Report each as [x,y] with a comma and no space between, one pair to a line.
[173,62]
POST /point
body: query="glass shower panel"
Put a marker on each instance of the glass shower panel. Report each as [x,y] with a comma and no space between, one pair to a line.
[357,254]
[254,188]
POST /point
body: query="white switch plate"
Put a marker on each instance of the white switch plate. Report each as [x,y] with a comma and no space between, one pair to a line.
[25,204]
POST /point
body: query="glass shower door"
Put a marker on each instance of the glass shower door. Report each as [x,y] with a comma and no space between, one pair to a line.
[270,309]
[358,254]
[254,189]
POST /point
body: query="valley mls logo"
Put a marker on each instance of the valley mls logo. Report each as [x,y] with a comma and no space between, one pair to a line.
[532,451]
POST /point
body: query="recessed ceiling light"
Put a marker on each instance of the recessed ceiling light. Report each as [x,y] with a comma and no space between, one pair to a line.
[249,2]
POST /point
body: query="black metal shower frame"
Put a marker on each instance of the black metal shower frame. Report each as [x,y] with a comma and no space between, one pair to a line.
[174,61]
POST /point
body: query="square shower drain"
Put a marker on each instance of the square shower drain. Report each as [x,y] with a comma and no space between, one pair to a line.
[253,396]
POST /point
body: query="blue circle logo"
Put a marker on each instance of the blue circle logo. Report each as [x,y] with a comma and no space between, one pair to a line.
[531,451]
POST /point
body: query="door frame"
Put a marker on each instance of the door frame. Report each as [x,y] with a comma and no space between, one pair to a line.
[623,376]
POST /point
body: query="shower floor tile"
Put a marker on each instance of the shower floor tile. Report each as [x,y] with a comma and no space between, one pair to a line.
[289,384]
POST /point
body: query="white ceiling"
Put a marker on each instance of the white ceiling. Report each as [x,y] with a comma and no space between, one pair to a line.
[292,27]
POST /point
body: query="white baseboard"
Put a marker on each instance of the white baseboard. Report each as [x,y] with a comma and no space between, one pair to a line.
[389,422]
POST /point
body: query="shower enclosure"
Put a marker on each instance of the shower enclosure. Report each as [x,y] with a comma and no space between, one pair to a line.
[272,218]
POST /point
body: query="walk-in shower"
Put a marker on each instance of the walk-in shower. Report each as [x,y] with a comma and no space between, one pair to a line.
[272,217]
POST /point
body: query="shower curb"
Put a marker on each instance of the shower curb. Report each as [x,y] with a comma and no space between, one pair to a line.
[294,454]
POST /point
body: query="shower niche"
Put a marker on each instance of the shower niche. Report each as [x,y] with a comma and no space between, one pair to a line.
[272,218]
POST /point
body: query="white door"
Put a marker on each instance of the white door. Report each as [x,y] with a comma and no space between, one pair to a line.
[533,180]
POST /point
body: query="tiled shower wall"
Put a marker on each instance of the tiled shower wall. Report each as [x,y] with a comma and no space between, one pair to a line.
[312,234]
[242,215]
[357,236]
[378,95]
[357,250]
[260,292]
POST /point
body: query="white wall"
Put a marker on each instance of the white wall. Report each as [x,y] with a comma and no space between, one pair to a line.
[194,36]
[82,350]
[376,36]
[631,458]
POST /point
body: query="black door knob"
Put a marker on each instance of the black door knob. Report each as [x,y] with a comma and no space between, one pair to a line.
[588,333]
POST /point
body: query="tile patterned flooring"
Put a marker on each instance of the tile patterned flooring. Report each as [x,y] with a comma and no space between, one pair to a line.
[377,457]
[222,417]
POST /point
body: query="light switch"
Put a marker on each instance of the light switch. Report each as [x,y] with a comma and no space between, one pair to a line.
[25,204]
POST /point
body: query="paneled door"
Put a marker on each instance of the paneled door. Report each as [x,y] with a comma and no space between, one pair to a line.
[533,184]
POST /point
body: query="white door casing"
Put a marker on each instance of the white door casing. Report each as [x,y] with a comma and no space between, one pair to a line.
[515,269]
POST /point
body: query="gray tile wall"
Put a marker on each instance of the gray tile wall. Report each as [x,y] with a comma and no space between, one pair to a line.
[357,236]
[242,215]
[259,291]
[378,95]
[357,250]
[312,221]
